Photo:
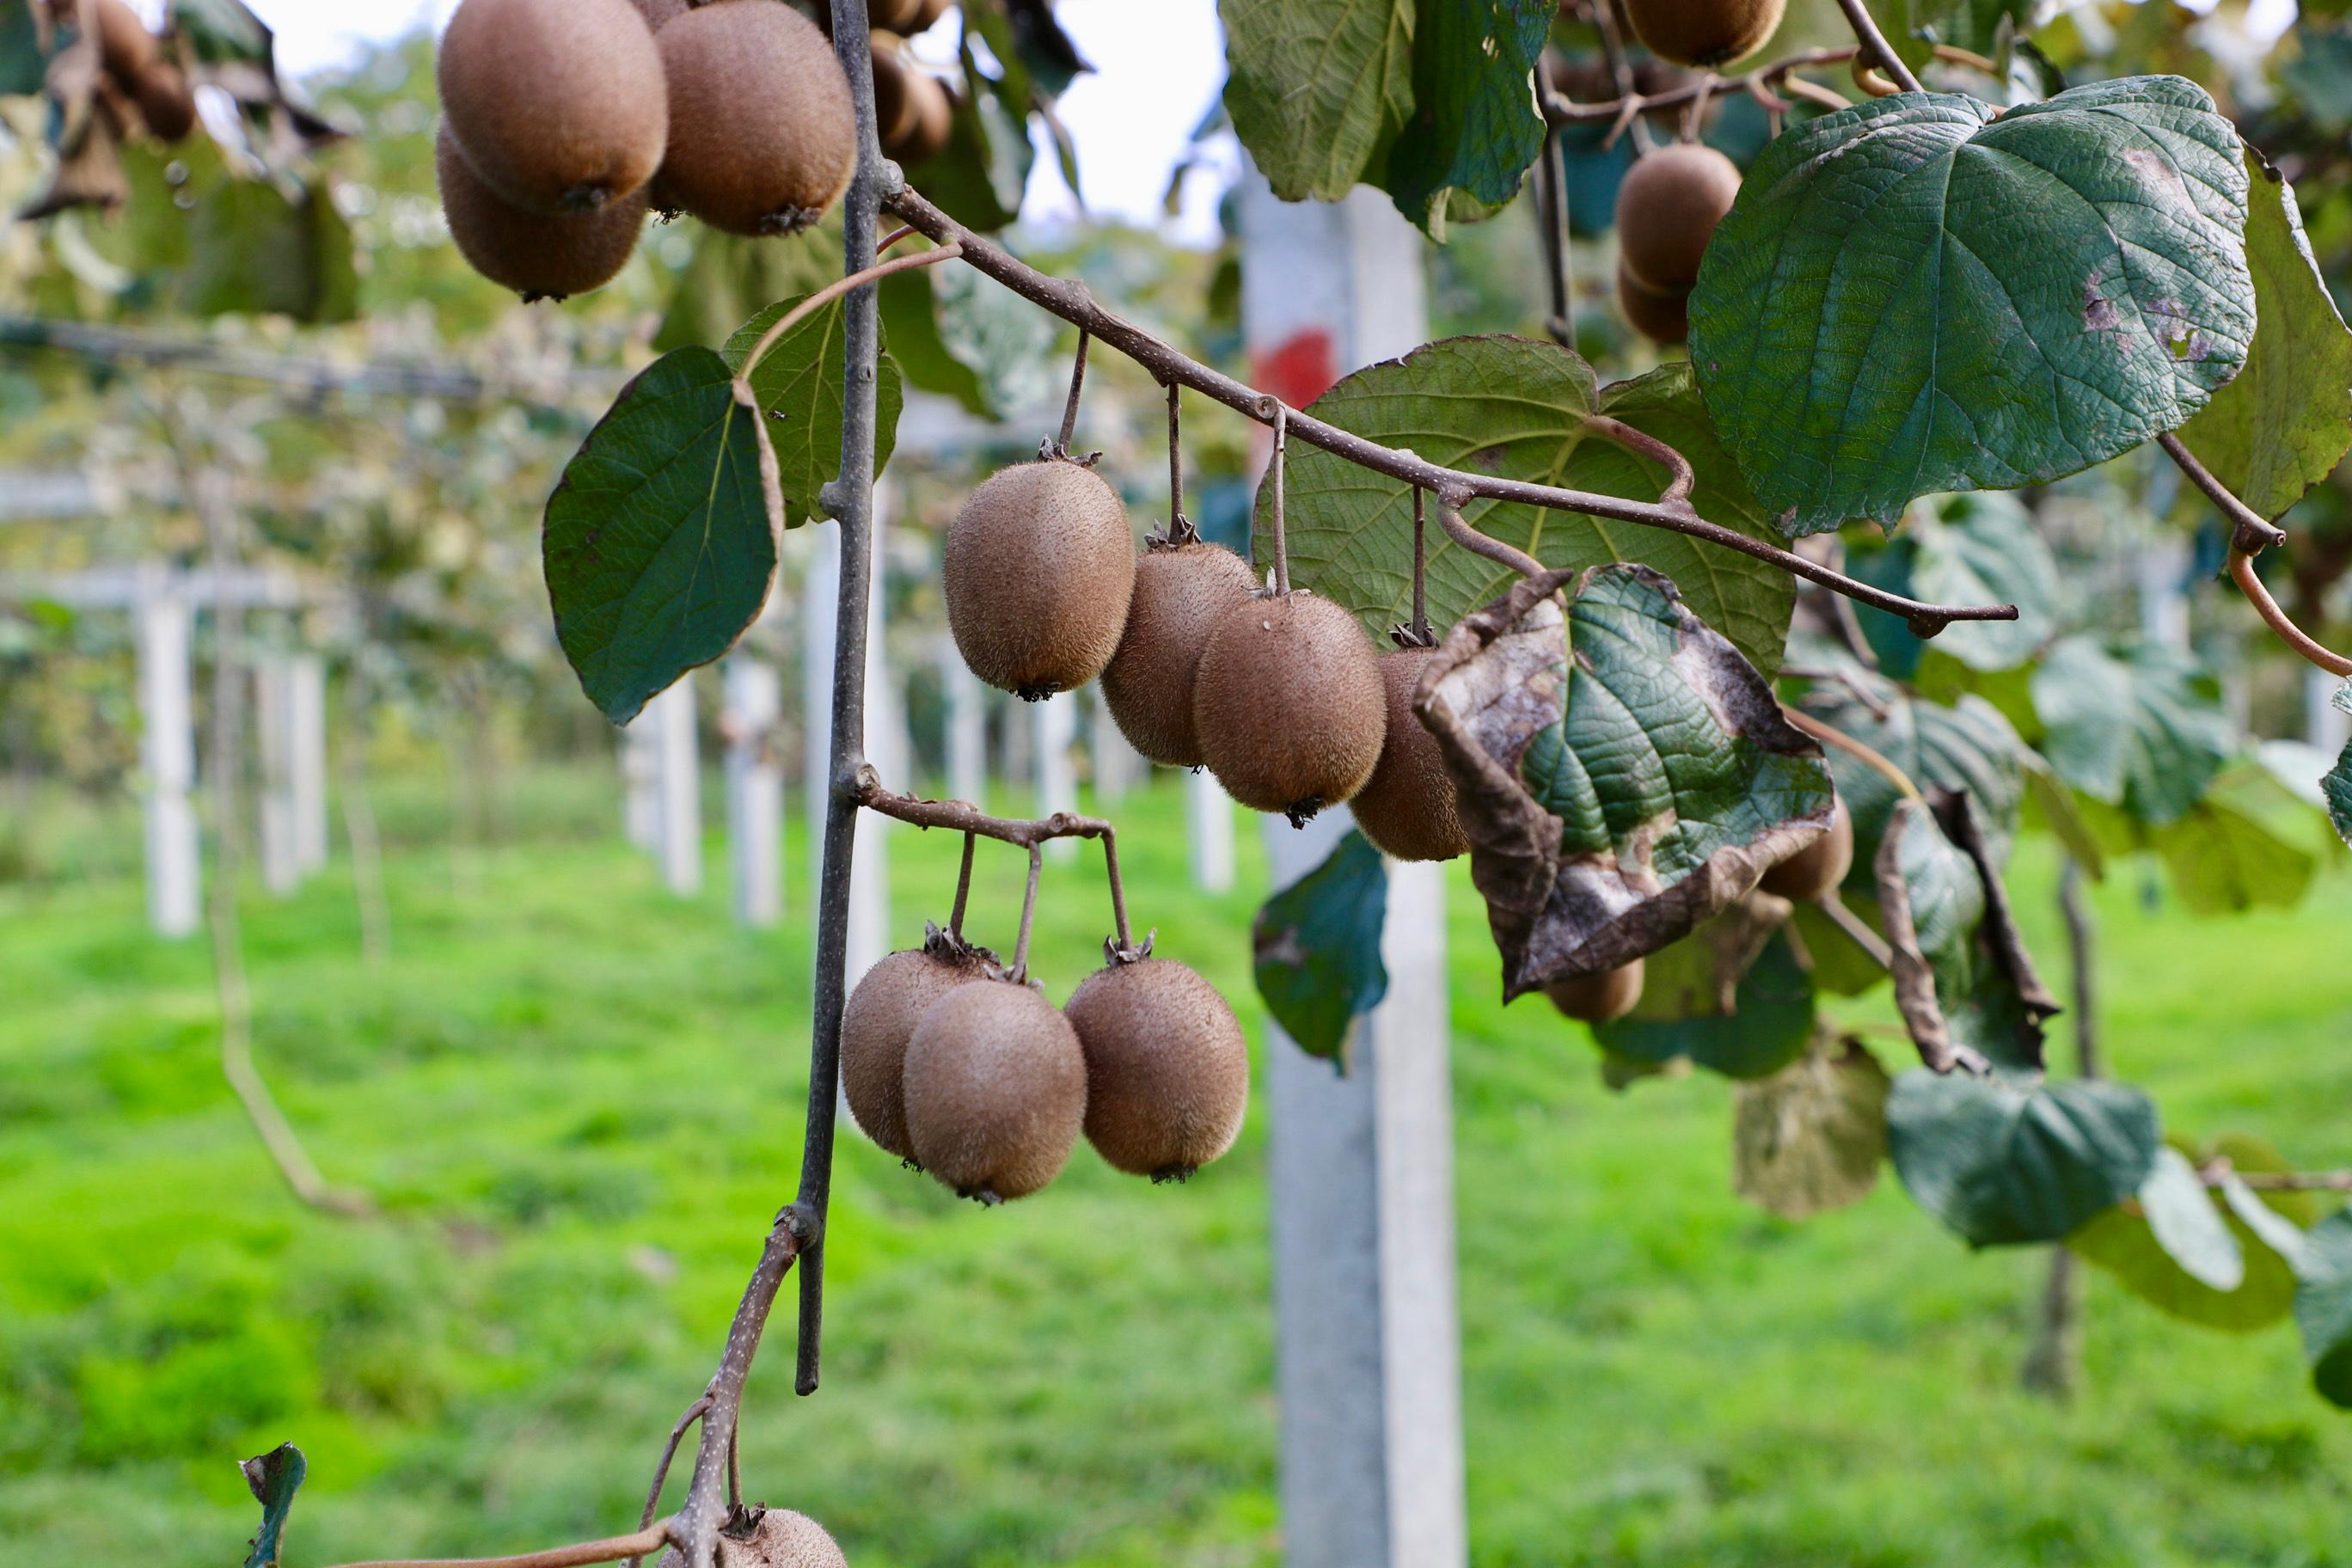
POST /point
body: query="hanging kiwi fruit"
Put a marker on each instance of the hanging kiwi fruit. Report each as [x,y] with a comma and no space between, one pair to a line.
[1181,592]
[1289,704]
[1407,807]
[1167,1067]
[1599,998]
[1040,567]
[995,1089]
[1667,209]
[764,136]
[879,1020]
[1703,32]
[558,105]
[125,48]
[1813,872]
[769,1538]
[1663,318]
[539,257]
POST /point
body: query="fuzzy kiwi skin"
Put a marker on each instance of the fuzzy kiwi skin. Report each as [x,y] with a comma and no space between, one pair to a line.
[538,258]
[1599,998]
[1407,807]
[125,46]
[1704,32]
[934,119]
[657,13]
[1814,871]
[166,103]
[1663,319]
[558,105]
[895,111]
[1667,208]
[762,133]
[1167,1067]
[1289,704]
[996,1090]
[1180,594]
[879,1021]
[1040,567]
[778,1538]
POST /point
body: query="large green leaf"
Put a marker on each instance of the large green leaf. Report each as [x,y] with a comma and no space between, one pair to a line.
[1681,1012]
[1474,130]
[1911,295]
[1621,773]
[1811,1138]
[23,64]
[1970,549]
[2176,1248]
[1518,409]
[2138,725]
[1317,89]
[660,543]
[799,384]
[2238,848]
[273,1478]
[2286,421]
[2000,1165]
[2322,1307]
[1318,948]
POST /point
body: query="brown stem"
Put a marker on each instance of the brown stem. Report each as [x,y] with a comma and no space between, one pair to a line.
[1641,443]
[834,290]
[686,1418]
[1560,109]
[1420,628]
[963,886]
[1621,71]
[652,1538]
[2250,582]
[1813,92]
[1180,527]
[1449,517]
[1552,218]
[1274,468]
[895,236]
[1073,303]
[697,1523]
[1118,891]
[1028,914]
[2251,533]
[1855,929]
[1854,687]
[964,817]
[1828,735]
[2220,1171]
[1077,384]
[1875,45]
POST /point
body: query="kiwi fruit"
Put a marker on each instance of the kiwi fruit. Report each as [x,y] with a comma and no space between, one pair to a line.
[125,48]
[1181,592]
[880,1018]
[539,257]
[763,135]
[1289,704]
[166,103]
[996,1090]
[896,114]
[657,13]
[934,115]
[1663,319]
[1407,807]
[1167,1067]
[1703,32]
[1668,207]
[1040,568]
[1599,998]
[1814,871]
[769,1538]
[558,104]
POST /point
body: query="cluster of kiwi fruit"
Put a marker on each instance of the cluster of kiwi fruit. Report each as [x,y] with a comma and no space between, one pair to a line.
[1667,208]
[564,119]
[1281,696]
[139,82]
[913,110]
[962,1066]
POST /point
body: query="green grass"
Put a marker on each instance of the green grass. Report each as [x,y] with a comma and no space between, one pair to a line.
[579,1101]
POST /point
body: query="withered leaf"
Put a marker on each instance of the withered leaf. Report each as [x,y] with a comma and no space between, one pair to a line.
[1811,1138]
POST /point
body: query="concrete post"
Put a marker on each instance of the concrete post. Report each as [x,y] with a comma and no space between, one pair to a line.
[869,881]
[1209,832]
[755,791]
[1117,765]
[2161,570]
[1056,727]
[967,726]
[640,811]
[167,749]
[306,723]
[1368,1331]
[273,713]
[677,787]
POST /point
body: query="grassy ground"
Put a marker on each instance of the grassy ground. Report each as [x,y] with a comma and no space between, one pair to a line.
[577,1101]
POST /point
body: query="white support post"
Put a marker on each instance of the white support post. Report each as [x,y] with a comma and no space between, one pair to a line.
[1368,1328]
[1055,728]
[677,787]
[755,791]
[967,726]
[306,721]
[167,747]
[2161,570]
[1117,764]
[869,877]
[273,711]
[1209,829]
[640,810]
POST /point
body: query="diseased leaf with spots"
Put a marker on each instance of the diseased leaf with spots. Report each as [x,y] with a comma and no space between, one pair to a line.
[1517,409]
[273,1478]
[2000,1165]
[2286,421]
[1474,129]
[1912,296]
[1727,997]
[2322,1307]
[1317,946]
[799,384]
[2139,725]
[660,540]
[1317,89]
[1621,773]
[1811,1138]
[1973,549]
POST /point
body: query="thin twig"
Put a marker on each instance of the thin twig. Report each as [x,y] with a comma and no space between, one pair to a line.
[1450,502]
[652,1538]
[964,817]
[686,1419]
[963,885]
[895,236]
[1274,472]
[1828,735]
[1561,110]
[696,1525]
[2221,1171]
[1020,970]
[1078,385]
[1073,303]
[1118,891]
[1875,45]
[1845,678]
[2250,582]
[1180,527]
[2251,533]
[1856,931]
[1552,218]
[834,290]
[1621,71]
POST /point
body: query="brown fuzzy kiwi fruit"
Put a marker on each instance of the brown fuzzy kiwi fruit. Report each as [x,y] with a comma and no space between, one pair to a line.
[1289,704]
[1599,998]
[1181,592]
[166,103]
[896,114]
[657,13]
[1815,871]
[1167,1067]
[1668,207]
[934,119]
[880,1018]
[996,1090]
[125,48]
[539,257]
[1703,32]
[763,135]
[770,1538]
[1407,807]
[558,104]
[1040,568]
[1663,319]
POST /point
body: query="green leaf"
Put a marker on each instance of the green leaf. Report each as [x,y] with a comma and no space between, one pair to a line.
[2178,1250]
[1681,1012]
[2336,784]
[956,333]
[2285,423]
[273,1478]
[1615,800]
[1317,89]
[224,30]
[1519,410]
[660,543]
[1967,746]
[1975,548]
[2235,851]
[2138,725]
[1972,25]
[799,387]
[255,250]
[1912,296]
[1811,1138]
[2322,1307]
[1474,130]
[24,65]
[1999,1165]
[1317,946]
